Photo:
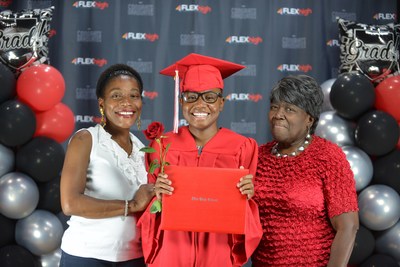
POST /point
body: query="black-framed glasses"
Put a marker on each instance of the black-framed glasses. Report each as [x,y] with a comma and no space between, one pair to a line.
[208,96]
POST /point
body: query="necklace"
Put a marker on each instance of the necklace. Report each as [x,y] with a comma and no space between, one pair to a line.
[199,149]
[300,149]
[127,147]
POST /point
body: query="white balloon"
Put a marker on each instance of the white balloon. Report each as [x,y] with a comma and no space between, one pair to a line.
[40,232]
[379,207]
[19,195]
[360,164]
[335,129]
[388,242]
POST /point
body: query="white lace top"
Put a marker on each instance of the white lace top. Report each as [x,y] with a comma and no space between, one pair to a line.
[112,174]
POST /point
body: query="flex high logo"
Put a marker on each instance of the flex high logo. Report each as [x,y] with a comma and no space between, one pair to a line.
[90,4]
[243,97]
[385,16]
[333,42]
[295,11]
[150,94]
[100,62]
[139,36]
[243,40]
[294,68]
[193,8]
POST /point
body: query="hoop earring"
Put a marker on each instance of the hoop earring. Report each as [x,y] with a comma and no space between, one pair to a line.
[139,123]
[103,118]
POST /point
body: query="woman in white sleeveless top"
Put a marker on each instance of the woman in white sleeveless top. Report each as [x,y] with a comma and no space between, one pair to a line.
[103,181]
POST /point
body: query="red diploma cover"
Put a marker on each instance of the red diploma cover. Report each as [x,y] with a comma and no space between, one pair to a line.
[204,200]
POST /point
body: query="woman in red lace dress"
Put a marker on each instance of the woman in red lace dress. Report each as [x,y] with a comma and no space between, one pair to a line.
[304,185]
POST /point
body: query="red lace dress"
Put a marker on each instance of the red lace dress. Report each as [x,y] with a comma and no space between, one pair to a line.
[296,197]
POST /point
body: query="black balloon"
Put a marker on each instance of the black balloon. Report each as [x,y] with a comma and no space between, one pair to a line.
[41,158]
[379,260]
[351,95]
[7,81]
[7,230]
[49,196]
[63,219]
[387,170]
[363,247]
[13,255]
[377,133]
[18,123]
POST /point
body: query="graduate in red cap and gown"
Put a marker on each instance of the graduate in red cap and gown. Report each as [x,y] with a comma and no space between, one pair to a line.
[198,89]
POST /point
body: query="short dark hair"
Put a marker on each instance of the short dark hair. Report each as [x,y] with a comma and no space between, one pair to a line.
[115,71]
[302,91]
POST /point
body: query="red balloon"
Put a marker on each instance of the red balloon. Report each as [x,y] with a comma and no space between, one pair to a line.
[41,87]
[387,96]
[57,123]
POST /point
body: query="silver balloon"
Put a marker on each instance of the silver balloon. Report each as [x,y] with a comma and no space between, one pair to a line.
[19,195]
[360,164]
[388,242]
[326,90]
[379,207]
[7,160]
[336,129]
[40,232]
[52,259]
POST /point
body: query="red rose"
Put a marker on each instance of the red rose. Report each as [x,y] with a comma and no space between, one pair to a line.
[154,130]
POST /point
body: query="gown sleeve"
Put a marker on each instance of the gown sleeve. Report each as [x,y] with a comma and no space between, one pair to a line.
[244,245]
[149,225]
[249,155]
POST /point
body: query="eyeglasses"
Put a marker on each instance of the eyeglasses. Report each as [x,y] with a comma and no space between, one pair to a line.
[208,96]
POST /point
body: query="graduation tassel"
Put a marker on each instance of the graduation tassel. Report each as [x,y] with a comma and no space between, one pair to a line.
[176,102]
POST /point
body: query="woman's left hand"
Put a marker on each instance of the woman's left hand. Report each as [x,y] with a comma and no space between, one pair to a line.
[246,185]
[142,198]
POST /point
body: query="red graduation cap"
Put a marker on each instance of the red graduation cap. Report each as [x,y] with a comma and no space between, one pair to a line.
[198,73]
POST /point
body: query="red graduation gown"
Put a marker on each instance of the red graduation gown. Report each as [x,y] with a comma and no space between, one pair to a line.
[226,149]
